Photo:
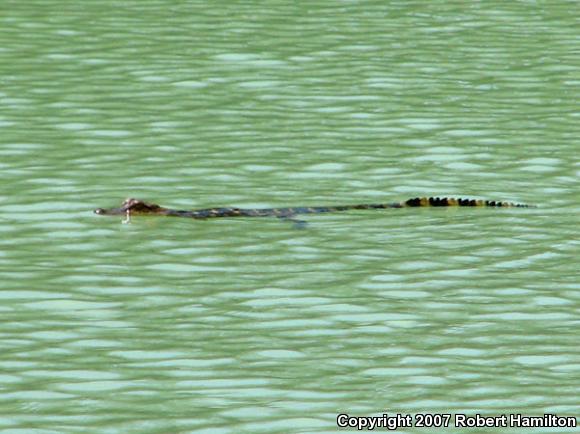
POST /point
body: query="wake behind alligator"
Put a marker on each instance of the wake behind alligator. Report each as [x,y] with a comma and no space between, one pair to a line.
[132,207]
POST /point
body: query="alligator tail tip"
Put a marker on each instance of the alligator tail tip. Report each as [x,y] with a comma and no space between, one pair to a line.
[450,201]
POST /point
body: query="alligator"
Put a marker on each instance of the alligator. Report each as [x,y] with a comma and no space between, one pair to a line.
[132,207]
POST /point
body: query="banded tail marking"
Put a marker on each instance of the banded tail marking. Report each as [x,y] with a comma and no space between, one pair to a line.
[450,201]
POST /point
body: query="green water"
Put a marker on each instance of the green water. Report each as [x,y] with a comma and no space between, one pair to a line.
[252,325]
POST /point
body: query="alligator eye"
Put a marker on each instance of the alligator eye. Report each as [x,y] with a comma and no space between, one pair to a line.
[99,211]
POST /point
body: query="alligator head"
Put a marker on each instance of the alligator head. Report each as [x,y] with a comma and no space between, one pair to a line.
[132,207]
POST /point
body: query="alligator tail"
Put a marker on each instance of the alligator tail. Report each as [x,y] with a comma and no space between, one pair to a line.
[444,201]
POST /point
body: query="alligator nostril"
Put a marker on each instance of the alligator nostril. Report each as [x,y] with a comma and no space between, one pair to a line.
[99,211]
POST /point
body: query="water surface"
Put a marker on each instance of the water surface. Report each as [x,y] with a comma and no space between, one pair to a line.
[251,325]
